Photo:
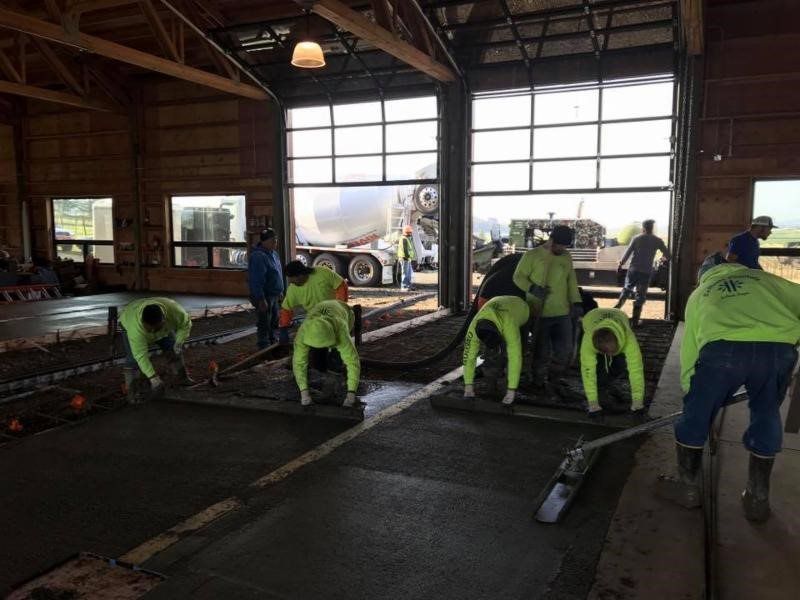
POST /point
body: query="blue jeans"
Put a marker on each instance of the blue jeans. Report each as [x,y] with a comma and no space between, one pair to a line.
[553,343]
[166,344]
[407,270]
[267,321]
[636,284]
[764,368]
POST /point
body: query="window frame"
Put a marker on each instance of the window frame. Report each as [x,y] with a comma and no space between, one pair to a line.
[84,244]
[383,154]
[209,246]
[751,208]
[599,122]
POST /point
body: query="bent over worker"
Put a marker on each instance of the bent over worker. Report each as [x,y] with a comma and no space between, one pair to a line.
[742,326]
[500,322]
[546,275]
[146,321]
[609,348]
[327,325]
[308,286]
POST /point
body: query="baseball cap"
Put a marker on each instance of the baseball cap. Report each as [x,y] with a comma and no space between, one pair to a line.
[562,235]
[764,221]
[267,234]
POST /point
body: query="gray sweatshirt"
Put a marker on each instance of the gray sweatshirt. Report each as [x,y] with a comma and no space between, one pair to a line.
[643,248]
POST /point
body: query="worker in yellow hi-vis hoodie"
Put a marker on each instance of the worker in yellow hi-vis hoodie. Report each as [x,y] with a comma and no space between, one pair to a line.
[546,275]
[327,325]
[742,326]
[146,321]
[609,348]
[501,321]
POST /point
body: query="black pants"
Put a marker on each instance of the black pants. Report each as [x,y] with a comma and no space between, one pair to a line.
[324,359]
[617,367]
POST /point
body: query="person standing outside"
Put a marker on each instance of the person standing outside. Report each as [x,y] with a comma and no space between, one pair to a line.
[742,326]
[641,251]
[265,278]
[546,275]
[744,247]
[147,321]
[407,255]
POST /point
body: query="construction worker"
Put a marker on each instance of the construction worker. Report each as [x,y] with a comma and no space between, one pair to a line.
[146,321]
[308,286]
[546,275]
[641,251]
[407,257]
[500,324]
[744,247]
[327,325]
[265,278]
[609,348]
[742,326]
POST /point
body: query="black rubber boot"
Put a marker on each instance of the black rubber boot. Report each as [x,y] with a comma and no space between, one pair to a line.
[755,497]
[132,385]
[685,488]
[178,368]
[621,302]
[637,314]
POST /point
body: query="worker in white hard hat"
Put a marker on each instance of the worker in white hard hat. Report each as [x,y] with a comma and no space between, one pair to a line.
[407,258]
[327,326]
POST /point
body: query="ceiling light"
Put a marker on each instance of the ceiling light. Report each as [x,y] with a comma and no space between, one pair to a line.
[307,54]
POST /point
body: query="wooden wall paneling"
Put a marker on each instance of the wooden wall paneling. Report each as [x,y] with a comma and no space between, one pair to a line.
[10,206]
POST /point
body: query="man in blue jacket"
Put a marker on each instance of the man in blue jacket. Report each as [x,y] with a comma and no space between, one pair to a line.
[265,277]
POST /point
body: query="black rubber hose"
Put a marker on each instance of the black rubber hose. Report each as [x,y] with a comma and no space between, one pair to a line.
[507,263]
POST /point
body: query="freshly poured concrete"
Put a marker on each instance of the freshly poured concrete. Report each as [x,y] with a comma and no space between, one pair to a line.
[35,319]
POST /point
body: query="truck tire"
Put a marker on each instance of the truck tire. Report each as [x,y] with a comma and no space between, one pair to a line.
[330,261]
[426,199]
[364,271]
[304,257]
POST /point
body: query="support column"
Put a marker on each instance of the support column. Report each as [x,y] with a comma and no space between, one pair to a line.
[455,211]
[282,218]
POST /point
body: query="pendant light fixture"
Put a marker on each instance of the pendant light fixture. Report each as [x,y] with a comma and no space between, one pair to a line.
[307,54]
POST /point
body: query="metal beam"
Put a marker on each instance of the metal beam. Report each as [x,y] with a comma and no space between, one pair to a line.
[350,20]
[29,91]
[94,45]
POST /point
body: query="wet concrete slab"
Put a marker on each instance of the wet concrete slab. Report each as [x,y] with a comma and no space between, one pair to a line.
[119,479]
[35,319]
[427,504]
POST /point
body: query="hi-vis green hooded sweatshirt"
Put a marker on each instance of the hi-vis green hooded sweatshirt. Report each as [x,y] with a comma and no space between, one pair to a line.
[738,304]
[617,322]
[542,267]
[176,320]
[508,313]
[327,325]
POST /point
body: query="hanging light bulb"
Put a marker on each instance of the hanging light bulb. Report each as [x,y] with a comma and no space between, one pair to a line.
[308,54]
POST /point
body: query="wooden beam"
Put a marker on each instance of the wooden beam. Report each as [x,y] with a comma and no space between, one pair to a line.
[53,10]
[61,69]
[692,25]
[89,43]
[163,38]
[8,68]
[211,11]
[353,21]
[382,15]
[29,91]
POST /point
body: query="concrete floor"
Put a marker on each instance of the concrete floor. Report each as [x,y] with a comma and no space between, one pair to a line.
[36,319]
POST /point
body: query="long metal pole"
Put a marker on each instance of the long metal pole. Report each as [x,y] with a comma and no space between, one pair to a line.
[432,30]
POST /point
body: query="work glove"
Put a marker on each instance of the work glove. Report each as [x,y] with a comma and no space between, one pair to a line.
[508,399]
[305,398]
[595,412]
[350,399]
[156,383]
[262,305]
[539,291]
[177,348]
[283,336]
[469,391]
[576,312]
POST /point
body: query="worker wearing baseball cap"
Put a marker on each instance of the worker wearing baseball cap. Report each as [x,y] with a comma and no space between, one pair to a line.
[546,275]
[327,325]
[265,279]
[744,247]
[407,257]
[308,286]
[742,326]
[499,323]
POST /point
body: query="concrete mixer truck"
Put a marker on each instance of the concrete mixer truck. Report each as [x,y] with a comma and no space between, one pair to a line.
[354,230]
